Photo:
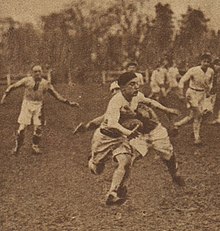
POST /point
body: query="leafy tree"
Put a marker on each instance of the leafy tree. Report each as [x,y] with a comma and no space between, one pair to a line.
[191,40]
[159,34]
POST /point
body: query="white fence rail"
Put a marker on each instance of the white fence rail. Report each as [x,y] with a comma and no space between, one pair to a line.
[9,79]
[110,76]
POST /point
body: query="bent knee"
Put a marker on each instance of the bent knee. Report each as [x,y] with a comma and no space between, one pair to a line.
[124,160]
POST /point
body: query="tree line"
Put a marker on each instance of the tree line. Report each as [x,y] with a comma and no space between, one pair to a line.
[83,39]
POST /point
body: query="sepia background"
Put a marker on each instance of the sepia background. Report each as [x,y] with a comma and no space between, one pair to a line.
[80,41]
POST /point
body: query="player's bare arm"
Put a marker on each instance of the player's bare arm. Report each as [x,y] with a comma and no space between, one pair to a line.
[209,85]
[95,122]
[12,87]
[60,98]
[156,104]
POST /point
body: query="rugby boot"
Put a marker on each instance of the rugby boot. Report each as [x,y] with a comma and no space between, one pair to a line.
[198,142]
[173,170]
[18,143]
[36,150]
[122,191]
[114,199]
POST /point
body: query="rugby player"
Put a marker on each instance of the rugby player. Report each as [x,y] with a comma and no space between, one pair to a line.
[117,138]
[200,80]
[32,106]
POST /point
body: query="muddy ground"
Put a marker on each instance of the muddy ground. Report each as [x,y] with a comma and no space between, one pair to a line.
[56,192]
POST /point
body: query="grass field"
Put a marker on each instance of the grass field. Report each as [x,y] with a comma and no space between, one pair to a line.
[56,191]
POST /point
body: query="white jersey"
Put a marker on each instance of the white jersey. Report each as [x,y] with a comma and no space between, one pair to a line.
[35,93]
[198,79]
[172,76]
[118,103]
[159,77]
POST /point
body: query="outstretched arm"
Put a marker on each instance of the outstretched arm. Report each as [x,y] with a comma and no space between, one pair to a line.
[60,98]
[95,122]
[12,87]
[112,116]
[155,104]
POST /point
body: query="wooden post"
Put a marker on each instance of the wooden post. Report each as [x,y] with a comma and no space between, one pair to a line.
[147,77]
[70,81]
[8,76]
[103,77]
[49,77]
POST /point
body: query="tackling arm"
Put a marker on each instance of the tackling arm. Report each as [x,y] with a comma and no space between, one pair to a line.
[155,104]
[112,117]
[95,122]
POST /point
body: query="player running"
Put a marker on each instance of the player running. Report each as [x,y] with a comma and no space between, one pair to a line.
[173,77]
[127,129]
[158,81]
[200,83]
[32,106]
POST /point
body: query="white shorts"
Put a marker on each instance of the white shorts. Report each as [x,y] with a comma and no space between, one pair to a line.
[157,139]
[31,112]
[173,84]
[103,147]
[195,98]
[155,88]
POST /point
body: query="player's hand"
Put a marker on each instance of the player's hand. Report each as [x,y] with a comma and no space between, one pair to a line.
[181,97]
[173,111]
[181,94]
[91,126]
[134,133]
[3,100]
[208,94]
[79,128]
[73,104]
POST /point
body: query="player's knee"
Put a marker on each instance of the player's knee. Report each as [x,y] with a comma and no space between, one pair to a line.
[96,168]
[124,161]
[21,128]
[20,135]
[38,130]
[36,139]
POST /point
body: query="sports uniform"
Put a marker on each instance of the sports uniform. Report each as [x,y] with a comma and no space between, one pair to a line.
[173,76]
[158,82]
[200,83]
[113,139]
[32,106]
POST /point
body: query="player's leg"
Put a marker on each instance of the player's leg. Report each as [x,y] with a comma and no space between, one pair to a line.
[155,91]
[38,121]
[36,139]
[172,166]
[217,120]
[19,138]
[162,144]
[185,120]
[24,120]
[191,99]
[120,176]
[101,146]
[178,93]
[197,125]
[96,166]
